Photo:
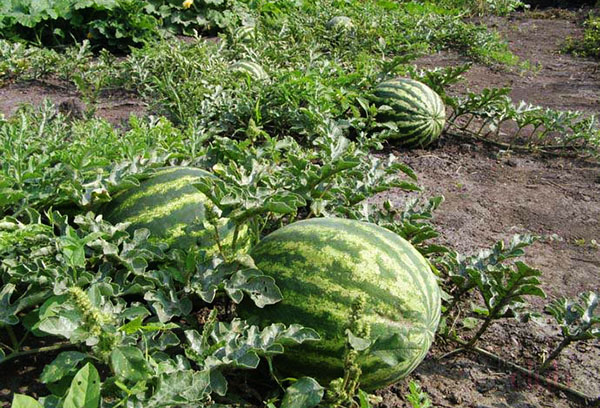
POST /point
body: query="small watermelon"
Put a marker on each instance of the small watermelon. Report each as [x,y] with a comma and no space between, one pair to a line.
[245,33]
[170,207]
[340,23]
[251,68]
[321,266]
[416,110]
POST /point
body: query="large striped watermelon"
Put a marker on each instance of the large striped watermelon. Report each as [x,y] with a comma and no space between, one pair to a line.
[169,206]
[415,108]
[321,266]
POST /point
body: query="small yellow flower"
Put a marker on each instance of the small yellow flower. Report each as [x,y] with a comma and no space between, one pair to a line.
[187,4]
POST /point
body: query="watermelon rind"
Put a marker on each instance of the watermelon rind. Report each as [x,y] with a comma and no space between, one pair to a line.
[322,266]
[171,208]
[340,23]
[250,68]
[416,110]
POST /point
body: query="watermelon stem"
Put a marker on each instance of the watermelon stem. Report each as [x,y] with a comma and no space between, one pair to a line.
[45,349]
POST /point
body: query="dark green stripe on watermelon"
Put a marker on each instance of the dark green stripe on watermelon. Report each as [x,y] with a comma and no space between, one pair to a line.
[322,266]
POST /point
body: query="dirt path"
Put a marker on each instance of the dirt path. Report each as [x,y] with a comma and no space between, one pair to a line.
[556,80]
[490,197]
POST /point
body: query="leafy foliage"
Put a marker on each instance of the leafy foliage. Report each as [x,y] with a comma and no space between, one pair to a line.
[129,306]
[115,23]
[136,324]
[502,286]
[589,45]
[577,319]
[417,397]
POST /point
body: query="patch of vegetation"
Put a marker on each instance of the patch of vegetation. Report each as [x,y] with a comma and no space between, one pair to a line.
[278,111]
[494,7]
[589,45]
[116,24]
[484,116]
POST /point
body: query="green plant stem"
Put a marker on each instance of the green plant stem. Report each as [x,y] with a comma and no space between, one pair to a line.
[218,239]
[589,401]
[236,232]
[545,150]
[54,347]
[564,343]
[481,330]
[13,338]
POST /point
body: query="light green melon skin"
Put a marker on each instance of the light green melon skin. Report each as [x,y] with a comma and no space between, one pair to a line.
[167,204]
[321,266]
[251,68]
[418,111]
[340,23]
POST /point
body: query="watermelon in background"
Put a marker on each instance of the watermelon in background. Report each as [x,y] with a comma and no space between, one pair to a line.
[417,111]
[253,69]
[171,207]
[340,23]
[321,266]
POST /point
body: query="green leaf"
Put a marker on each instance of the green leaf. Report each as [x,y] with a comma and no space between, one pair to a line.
[470,322]
[261,288]
[85,389]
[24,401]
[180,388]
[357,343]
[132,326]
[7,311]
[65,363]
[363,399]
[129,364]
[304,393]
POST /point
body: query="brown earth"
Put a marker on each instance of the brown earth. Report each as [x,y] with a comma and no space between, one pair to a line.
[114,106]
[489,196]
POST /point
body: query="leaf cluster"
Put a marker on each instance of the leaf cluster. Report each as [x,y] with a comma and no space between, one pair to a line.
[589,45]
[500,284]
[130,306]
[577,318]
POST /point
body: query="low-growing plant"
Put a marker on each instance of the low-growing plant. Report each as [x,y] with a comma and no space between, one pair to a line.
[115,23]
[465,272]
[578,321]
[123,313]
[589,45]
[417,397]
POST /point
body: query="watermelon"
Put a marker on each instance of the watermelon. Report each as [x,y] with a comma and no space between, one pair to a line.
[170,207]
[340,23]
[416,110]
[245,33]
[250,68]
[321,266]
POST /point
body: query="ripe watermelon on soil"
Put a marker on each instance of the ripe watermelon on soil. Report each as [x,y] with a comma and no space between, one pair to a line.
[170,206]
[416,109]
[321,266]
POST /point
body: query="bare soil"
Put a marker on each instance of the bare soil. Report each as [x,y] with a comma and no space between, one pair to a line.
[488,197]
[115,106]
